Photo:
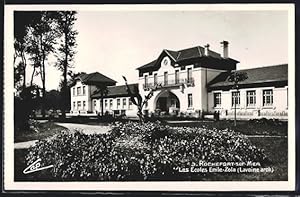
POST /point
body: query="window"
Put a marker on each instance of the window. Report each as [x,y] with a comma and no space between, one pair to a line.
[118,103]
[235,99]
[155,78]
[105,103]
[110,103]
[251,98]
[190,100]
[74,105]
[95,103]
[146,104]
[83,90]
[130,104]
[176,76]
[73,91]
[146,80]
[78,90]
[166,78]
[83,103]
[189,75]
[267,97]
[217,99]
[124,103]
[78,104]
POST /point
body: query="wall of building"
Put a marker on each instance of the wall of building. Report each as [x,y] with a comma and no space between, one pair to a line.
[81,98]
[181,92]
[205,76]
[129,110]
[198,90]
[278,109]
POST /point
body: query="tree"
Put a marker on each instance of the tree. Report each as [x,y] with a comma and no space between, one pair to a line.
[66,50]
[21,23]
[137,99]
[42,36]
[235,78]
[102,89]
[24,104]
[52,100]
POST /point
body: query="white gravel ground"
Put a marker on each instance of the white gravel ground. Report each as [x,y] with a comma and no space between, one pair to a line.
[87,129]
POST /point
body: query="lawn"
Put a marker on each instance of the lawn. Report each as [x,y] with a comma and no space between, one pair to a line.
[275,150]
[262,127]
[43,130]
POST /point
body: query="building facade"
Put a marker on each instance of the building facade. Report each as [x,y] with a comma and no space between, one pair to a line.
[116,101]
[263,94]
[194,82]
[82,89]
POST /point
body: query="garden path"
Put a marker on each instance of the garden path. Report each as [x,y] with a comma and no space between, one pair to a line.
[23,145]
[86,129]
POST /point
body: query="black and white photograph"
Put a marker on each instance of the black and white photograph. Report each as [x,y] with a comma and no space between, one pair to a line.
[149,97]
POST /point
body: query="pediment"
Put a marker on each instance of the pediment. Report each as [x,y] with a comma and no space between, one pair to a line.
[165,59]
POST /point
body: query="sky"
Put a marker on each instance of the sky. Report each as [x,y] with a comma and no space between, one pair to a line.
[115,43]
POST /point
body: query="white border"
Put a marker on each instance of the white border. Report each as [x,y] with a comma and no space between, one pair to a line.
[9,183]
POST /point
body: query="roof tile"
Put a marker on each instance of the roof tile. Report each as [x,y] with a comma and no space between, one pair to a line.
[255,75]
[118,91]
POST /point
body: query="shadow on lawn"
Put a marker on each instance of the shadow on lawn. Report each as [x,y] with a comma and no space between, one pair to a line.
[43,130]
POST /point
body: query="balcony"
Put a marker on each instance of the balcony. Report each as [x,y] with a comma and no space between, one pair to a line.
[170,83]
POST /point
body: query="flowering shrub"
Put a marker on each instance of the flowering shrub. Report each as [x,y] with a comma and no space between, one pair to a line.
[131,151]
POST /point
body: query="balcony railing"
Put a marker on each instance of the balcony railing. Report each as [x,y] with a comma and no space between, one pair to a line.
[170,83]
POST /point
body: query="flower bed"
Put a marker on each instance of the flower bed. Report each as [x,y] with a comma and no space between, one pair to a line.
[132,151]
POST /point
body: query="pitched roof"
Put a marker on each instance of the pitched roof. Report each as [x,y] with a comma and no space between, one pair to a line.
[117,91]
[96,78]
[276,73]
[186,54]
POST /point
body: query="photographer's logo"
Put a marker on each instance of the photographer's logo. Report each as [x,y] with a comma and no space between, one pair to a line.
[35,166]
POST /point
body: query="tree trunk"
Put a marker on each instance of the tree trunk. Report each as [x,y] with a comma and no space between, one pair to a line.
[65,71]
[43,76]
[24,70]
[33,72]
[140,114]
[235,99]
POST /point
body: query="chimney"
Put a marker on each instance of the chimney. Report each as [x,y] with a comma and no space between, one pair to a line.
[206,49]
[225,48]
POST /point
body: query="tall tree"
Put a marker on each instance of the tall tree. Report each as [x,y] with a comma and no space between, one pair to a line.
[235,78]
[21,23]
[66,50]
[42,37]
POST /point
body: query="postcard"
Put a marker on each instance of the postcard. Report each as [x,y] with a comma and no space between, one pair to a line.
[161,97]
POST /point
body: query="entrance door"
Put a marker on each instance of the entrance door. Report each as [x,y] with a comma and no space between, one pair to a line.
[163,104]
